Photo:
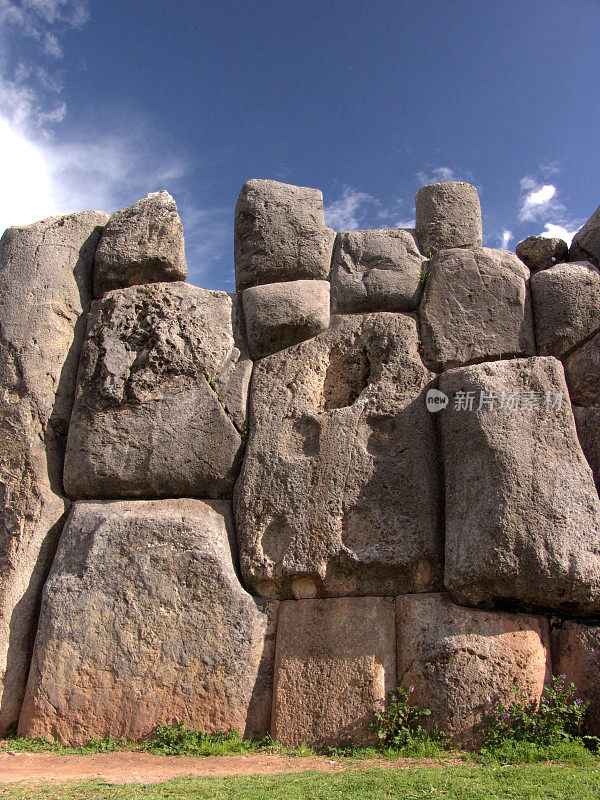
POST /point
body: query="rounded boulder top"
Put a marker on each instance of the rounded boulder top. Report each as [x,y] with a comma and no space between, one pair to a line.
[448,215]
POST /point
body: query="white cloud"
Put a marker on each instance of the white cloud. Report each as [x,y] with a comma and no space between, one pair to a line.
[553,230]
[27,192]
[505,239]
[405,223]
[208,235]
[537,201]
[437,175]
[44,174]
[32,17]
[344,214]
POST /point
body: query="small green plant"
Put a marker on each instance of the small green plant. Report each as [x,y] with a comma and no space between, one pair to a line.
[397,723]
[179,740]
[424,273]
[558,717]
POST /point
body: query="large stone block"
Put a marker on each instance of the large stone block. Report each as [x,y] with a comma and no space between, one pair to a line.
[335,660]
[161,399]
[143,621]
[339,492]
[280,234]
[141,244]
[45,292]
[377,270]
[522,511]
[586,242]
[566,307]
[582,371]
[475,307]
[541,252]
[462,661]
[587,421]
[576,655]
[448,215]
[279,315]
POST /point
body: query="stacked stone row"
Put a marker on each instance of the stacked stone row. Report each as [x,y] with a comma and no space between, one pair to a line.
[377,543]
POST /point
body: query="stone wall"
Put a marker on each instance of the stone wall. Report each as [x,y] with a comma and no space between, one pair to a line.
[376,464]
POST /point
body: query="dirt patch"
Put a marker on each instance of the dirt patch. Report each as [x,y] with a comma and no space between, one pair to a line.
[127,767]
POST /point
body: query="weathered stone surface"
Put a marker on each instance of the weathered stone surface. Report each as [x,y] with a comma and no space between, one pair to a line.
[161,398]
[582,371]
[339,493]
[143,622]
[541,252]
[335,660]
[280,234]
[45,290]
[576,654]
[587,421]
[475,307]
[448,215]
[141,244]
[279,315]
[586,242]
[522,511]
[566,306]
[462,661]
[377,270]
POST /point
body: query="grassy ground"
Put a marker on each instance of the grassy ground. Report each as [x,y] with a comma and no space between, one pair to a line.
[467,782]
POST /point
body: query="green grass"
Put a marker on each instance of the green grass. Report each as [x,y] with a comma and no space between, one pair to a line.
[519,752]
[19,744]
[465,782]
[179,740]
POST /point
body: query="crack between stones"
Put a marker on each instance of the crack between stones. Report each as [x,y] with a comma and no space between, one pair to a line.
[213,385]
[580,344]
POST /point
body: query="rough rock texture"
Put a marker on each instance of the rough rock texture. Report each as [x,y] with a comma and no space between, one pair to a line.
[141,244]
[376,271]
[143,622]
[45,290]
[335,660]
[161,397]
[279,315]
[541,252]
[522,511]
[448,215]
[339,493]
[476,306]
[582,371]
[566,307]
[586,242]
[462,661]
[576,654]
[587,421]
[280,234]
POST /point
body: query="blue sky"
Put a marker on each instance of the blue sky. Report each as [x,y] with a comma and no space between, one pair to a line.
[104,101]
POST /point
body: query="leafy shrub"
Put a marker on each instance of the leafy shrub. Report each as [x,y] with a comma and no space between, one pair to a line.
[397,723]
[558,717]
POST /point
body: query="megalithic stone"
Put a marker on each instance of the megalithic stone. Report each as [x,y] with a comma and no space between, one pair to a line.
[280,234]
[45,293]
[448,215]
[522,511]
[144,622]
[141,244]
